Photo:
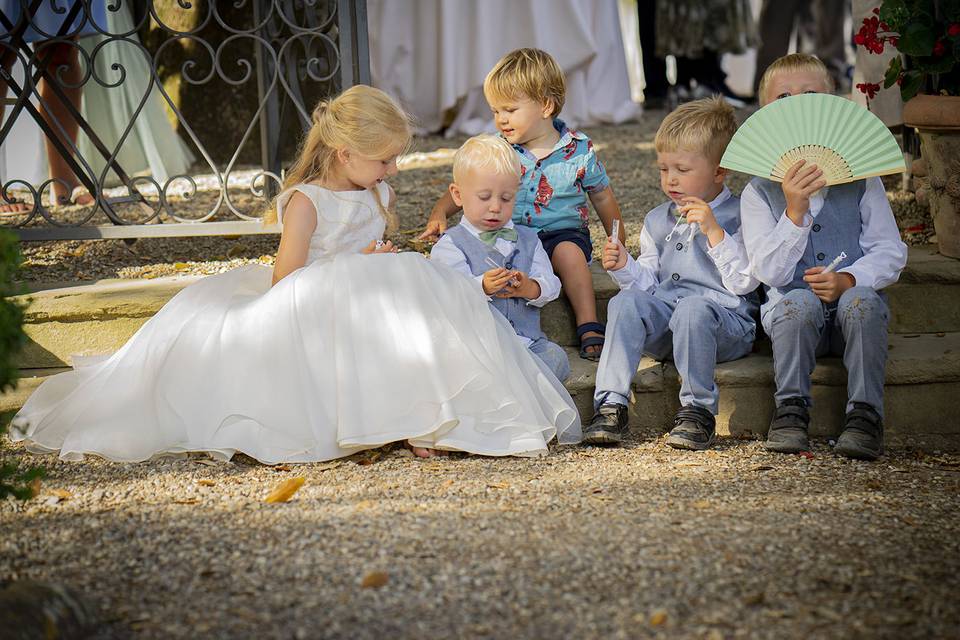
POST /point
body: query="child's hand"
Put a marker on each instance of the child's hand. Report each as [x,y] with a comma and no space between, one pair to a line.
[827,286]
[436,225]
[495,280]
[521,286]
[799,184]
[614,256]
[699,212]
[386,247]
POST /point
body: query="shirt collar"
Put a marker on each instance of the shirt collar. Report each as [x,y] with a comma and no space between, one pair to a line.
[476,232]
[567,135]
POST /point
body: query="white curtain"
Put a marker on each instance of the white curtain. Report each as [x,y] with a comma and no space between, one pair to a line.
[433,55]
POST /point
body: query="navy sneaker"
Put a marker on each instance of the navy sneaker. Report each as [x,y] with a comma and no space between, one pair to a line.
[694,428]
[862,436]
[788,430]
[608,425]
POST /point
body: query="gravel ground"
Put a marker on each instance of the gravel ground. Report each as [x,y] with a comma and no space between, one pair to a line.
[626,150]
[641,541]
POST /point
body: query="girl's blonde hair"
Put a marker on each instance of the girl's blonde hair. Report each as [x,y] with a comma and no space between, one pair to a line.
[488,152]
[792,63]
[363,119]
[527,73]
[703,126]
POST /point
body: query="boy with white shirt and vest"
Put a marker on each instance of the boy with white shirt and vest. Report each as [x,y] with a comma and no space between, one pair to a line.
[792,232]
[689,295]
[507,262]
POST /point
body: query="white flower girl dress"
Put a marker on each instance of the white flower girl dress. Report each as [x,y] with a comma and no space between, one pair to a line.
[349,352]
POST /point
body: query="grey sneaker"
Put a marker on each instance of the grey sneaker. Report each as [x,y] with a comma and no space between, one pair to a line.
[862,436]
[788,429]
[694,429]
[608,425]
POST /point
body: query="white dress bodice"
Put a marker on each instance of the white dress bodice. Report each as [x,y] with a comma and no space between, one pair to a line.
[346,220]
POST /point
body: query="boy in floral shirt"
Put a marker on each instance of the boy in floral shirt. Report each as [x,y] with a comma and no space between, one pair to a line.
[560,171]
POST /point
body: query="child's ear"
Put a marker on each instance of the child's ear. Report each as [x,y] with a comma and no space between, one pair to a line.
[455,194]
[343,155]
[547,111]
[720,175]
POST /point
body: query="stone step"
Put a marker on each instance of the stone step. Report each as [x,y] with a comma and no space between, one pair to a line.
[99,318]
[922,378]
[926,299]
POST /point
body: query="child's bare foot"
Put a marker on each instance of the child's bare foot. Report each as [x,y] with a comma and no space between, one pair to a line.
[423,452]
[14,207]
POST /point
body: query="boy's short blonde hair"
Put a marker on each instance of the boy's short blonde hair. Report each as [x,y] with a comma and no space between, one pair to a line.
[790,63]
[702,126]
[530,73]
[488,153]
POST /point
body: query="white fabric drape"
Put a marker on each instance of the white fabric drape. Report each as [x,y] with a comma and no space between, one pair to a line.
[433,55]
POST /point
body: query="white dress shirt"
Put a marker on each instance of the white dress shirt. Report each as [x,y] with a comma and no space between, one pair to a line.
[541,270]
[775,247]
[730,257]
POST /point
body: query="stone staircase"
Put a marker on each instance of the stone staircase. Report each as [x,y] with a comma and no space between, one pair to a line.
[923,368]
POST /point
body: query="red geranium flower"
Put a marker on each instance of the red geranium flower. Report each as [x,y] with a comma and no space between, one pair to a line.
[954,29]
[939,48]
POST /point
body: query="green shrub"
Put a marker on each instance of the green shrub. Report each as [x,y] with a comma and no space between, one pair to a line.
[14,481]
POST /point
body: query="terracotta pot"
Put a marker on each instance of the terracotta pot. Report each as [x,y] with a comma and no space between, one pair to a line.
[938,119]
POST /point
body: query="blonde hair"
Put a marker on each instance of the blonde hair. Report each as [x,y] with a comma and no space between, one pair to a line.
[530,73]
[789,64]
[361,118]
[702,126]
[485,152]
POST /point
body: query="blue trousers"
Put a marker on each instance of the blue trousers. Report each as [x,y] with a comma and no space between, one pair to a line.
[803,327]
[696,331]
[553,356]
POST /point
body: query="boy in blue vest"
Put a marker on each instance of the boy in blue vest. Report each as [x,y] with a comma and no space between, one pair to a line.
[689,294]
[560,172]
[792,231]
[507,262]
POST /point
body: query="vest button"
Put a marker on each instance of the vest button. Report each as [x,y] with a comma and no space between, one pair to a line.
[821,256]
[816,227]
[679,246]
[675,277]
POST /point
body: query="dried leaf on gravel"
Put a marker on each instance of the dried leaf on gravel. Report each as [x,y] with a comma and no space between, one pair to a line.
[497,485]
[186,501]
[285,490]
[280,467]
[762,467]
[658,618]
[35,487]
[205,462]
[701,504]
[326,466]
[63,494]
[375,580]
[206,482]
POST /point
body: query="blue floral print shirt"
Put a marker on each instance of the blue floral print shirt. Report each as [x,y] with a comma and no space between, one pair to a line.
[553,190]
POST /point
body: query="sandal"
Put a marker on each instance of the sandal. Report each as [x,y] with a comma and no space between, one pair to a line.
[592,341]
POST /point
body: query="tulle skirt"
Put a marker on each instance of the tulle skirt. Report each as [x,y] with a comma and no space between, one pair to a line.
[339,356]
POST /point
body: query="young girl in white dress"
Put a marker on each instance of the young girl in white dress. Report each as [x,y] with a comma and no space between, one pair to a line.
[349,345]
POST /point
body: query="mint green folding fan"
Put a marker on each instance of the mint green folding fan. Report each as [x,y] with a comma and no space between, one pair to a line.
[842,138]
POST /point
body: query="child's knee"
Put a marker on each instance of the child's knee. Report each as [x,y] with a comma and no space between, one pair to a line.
[800,306]
[862,305]
[694,312]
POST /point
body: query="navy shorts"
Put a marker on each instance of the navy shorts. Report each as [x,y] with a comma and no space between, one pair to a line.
[579,237]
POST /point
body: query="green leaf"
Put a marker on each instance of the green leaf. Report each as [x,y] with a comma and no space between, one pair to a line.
[911,84]
[917,40]
[893,72]
[892,11]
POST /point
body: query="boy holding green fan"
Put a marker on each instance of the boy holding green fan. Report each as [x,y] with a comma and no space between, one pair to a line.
[689,294]
[793,232]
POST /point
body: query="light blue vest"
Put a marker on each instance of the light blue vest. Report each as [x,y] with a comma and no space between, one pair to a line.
[836,228]
[524,318]
[686,269]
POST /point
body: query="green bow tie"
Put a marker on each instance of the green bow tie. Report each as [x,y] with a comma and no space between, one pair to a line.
[490,237]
